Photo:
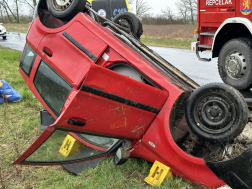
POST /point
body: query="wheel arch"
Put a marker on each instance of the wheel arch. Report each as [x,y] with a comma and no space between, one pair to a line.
[228,30]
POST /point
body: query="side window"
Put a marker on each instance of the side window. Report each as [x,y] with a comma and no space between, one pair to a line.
[27,60]
[63,146]
[53,89]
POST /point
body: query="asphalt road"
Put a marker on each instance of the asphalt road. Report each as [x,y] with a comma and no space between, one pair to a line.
[14,41]
[183,59]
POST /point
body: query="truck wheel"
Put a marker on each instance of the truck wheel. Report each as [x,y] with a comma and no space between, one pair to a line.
[65,9]
[4,37]
[234,64]
[131,21]
[216,112]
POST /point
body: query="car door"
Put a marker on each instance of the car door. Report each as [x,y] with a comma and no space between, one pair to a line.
[107,109]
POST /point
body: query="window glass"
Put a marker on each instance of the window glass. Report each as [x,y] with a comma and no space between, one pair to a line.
[52,88]
[27,60]
[64,146]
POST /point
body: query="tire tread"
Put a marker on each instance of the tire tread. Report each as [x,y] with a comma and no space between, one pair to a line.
[239,40]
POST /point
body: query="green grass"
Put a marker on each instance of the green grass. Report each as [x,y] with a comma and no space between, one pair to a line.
[19,128]
[168,42]
[164,41]
[14,27]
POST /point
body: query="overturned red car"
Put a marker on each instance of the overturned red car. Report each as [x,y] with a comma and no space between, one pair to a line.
[115,96]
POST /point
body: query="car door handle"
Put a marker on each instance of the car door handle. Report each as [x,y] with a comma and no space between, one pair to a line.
[47,51]
[77,122]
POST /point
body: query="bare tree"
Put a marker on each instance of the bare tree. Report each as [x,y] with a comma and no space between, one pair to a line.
[142,7]
[192,7]
[30,3]
[187,7]
[1,12]
[131,4]
[6,11]
[6,5]
[183,9]
[12,9]
[168,13]
[17,10]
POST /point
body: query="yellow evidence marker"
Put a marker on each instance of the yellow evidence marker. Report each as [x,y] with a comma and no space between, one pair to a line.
[69,146]
[158,173]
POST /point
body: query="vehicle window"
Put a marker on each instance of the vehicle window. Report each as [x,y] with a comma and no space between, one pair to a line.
[53,89]
[27,60]
[102,142]
[63,146]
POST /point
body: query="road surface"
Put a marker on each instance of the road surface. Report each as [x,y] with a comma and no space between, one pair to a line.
[183,59]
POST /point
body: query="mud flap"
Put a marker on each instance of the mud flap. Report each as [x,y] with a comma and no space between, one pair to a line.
[236,172]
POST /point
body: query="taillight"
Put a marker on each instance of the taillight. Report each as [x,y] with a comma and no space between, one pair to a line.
[196,34]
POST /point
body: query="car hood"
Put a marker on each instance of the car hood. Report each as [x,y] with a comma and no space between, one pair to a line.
[1,27]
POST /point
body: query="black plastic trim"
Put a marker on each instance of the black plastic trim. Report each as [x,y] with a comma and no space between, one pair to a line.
[119,99]
[236,172]
[46,119]
[79,46]
[47,53]
[75,122]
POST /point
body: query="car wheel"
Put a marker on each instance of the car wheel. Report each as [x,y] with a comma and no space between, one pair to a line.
[65,9]
[131,21]
[234,64]
[4,37]
[216,112]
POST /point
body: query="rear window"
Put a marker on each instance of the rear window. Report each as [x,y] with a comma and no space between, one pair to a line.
[27,60]
[53,89]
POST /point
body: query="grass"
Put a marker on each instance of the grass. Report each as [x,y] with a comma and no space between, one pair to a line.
[167,42]
[175,36]
[20,28]
[19,128]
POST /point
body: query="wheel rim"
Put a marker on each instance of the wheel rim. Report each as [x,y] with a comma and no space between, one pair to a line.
[214,115]
[61,5]
[126,22]
[235,65]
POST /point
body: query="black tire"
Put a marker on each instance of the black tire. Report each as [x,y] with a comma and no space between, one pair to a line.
[130,20]
[4,37]
[236,58]
[216,112]
[68,11]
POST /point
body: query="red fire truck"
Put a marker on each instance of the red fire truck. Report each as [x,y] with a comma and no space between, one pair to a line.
[225,28]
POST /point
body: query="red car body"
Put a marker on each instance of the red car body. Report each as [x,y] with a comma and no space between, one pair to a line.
[109,103]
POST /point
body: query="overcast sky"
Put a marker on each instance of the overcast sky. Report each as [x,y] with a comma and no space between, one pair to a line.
[157,5]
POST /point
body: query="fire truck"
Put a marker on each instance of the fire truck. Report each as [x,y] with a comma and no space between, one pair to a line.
[225,28]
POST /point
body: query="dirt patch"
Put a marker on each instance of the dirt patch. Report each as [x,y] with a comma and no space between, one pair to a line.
[169,31]
[234,148]
[135,175]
